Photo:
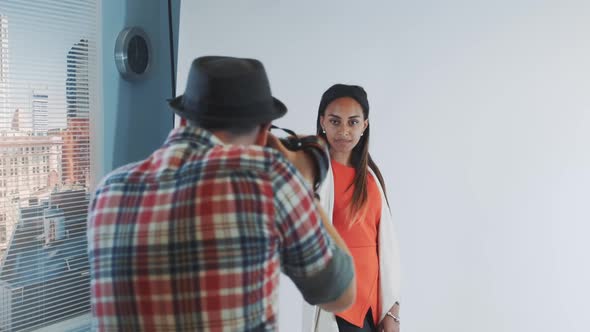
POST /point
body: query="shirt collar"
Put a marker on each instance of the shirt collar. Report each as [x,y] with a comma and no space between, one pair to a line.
[192,134]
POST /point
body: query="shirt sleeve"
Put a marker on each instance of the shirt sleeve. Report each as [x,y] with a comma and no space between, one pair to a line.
[319,269]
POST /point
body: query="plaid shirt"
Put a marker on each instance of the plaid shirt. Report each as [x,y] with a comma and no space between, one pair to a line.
[195,236]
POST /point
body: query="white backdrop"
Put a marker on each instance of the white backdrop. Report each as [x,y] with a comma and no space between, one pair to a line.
[480,114]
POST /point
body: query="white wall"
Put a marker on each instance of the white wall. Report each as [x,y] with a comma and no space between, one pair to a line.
[481,124]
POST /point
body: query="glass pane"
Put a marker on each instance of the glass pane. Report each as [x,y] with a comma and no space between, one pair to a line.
[48,73]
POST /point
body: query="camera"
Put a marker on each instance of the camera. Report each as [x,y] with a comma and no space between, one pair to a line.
[314,146]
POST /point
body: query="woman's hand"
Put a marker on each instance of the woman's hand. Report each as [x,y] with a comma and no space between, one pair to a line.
[388,324]
[301,160]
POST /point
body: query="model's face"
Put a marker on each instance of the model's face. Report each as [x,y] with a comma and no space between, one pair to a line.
[344,123]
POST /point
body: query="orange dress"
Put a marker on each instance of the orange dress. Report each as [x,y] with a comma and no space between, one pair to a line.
[361,239]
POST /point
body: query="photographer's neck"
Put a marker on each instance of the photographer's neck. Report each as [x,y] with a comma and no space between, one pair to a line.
[258,136]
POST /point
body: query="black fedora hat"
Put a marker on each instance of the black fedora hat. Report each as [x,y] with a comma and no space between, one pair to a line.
[226,90]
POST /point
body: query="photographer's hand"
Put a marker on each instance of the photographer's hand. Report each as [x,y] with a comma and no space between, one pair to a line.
[301,160]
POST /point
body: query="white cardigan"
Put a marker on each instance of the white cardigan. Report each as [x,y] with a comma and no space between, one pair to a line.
[317,320]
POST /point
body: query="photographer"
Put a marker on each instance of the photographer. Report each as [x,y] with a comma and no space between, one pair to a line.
[194,237]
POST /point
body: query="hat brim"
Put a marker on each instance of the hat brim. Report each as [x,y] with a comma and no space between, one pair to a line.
[277,110]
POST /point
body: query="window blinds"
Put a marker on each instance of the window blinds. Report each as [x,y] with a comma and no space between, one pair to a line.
[48,81]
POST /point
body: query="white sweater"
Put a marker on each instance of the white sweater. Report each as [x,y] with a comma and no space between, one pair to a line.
[317,320]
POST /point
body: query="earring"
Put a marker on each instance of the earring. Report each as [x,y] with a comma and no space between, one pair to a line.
[362,133]
[324,131]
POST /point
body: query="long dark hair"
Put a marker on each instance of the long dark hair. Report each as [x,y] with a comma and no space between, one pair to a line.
[360,157]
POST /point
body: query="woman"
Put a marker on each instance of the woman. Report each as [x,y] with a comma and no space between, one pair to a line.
[354,195]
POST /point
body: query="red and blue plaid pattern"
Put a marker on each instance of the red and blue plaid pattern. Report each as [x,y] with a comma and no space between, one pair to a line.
[194,237]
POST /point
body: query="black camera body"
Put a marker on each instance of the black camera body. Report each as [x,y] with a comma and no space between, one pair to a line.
[315,147]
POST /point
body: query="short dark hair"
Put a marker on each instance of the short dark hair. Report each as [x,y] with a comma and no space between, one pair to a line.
[232,128]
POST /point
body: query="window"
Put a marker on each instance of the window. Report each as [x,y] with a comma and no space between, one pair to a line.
[2,231]
[48,81]
[3,235]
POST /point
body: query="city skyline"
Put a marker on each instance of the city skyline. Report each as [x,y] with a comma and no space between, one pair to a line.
[47,72]
[38,156]
[28,63]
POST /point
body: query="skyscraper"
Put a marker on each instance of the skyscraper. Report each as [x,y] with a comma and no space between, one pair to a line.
[5,123]
[77,89]
[76,137]
[39,106]
[5,113]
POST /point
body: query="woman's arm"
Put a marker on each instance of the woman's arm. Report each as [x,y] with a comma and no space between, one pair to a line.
[390,324]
